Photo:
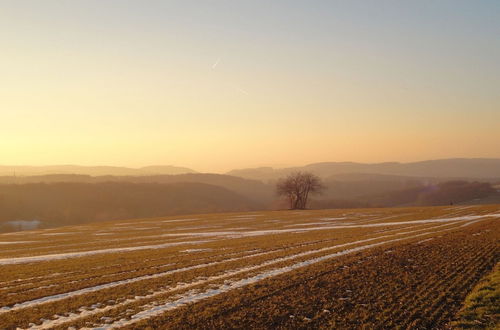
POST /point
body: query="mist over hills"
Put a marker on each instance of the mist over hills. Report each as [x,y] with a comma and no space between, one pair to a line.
[472,168]
[92,170]
[62,199]
[469,168]
[52,200]
[254,190]
[58,204]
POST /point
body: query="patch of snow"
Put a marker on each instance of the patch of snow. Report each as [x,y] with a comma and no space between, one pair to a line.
[59,256]
[192,297]
[24,224]
[16,242]
[196,250]
[180,220]
[425,240]
[61,233]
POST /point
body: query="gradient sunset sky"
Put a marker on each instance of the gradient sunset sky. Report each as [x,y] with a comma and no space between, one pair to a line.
[216,85]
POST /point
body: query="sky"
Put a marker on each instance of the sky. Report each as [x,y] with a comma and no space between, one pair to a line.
[216,85]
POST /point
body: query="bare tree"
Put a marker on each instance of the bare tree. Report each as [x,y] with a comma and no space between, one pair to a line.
[297,187]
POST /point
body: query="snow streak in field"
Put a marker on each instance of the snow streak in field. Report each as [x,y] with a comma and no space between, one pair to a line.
[197,296]
[470,223]
[75,293]
[325,227]
[73,317]
[15,242]
[180,220]
[58,256]
[278,260]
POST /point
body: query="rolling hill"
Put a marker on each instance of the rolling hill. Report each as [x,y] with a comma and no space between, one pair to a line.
[91,170]
[52,200]
[458,168]
[252,189]
[58,204]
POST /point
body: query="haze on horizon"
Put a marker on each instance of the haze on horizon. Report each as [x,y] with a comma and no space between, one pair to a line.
[220,85]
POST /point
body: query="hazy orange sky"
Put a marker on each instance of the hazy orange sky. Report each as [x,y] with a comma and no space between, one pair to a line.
[216,85]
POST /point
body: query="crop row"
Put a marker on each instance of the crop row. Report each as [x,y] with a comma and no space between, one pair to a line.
[90,270]
[84,291]
[131,290]
[186,298]
[416,285]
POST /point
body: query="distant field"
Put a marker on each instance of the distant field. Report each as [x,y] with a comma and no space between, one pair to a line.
[285,269]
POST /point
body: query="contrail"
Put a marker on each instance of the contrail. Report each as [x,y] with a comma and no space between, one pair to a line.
[215,64]
[241,90]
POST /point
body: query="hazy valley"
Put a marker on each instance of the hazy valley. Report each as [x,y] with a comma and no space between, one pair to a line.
[62,199]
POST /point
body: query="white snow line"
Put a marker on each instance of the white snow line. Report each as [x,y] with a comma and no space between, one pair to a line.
[195,297]
[61,233]
[425,240]
[233,234]
[16,242]
[61,296]
[470,223]
[312,223]
[196,250]
[58,256]
[180,220]
[137,240]
[225,275]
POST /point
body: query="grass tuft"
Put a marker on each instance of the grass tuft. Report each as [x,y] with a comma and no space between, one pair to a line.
[481,308]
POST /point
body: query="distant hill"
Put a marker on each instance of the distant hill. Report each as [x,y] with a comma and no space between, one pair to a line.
[252,189]
[466,168]
[91,170]
[57,204]
[353,186]
[443,193]
[56,200]
[78,194]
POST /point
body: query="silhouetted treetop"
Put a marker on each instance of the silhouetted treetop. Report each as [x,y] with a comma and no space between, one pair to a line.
[297,187]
